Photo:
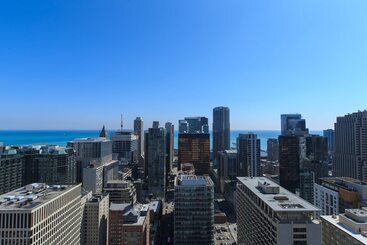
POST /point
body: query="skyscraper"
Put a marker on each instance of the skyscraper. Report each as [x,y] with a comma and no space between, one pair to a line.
[329,134]
[350,148]
[293,124]
[248,150]
[221,131]
[139,131]
[11,170]
[269,214]
[195,149]
[194,210]
[227,167]
[273,150]
[155,161]
[170,130]
[125,145]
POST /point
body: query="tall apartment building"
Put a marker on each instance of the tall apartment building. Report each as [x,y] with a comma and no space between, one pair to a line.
[139,131]
[248,150]
[40,214]
[269,214]
[350,146]
[121,191]
[194,125]
[91,150]
[221,131]
[95,220]
[273,150]
[348,228]
[194,210]
[155,161]
[11,170]
[195,149]
[170,151]
[125,146]
[227,167]
[129,224]
[336,194]
[293,124]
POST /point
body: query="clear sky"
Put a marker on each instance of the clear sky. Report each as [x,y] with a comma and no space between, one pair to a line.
[78,64]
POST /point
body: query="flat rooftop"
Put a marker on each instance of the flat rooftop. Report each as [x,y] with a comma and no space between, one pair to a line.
[32,196]
[335,222]
[193,180]
[279,201]
[341,181]
[97,139]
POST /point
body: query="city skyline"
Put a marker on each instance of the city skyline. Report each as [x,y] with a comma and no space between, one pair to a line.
[78,66]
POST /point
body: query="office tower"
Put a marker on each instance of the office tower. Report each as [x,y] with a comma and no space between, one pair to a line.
[121,191]
[329,134]
[316,156]
[335,194]
[91,150]
[139,131]
[125,145]
[195,149]
[11,170]
[269,214]
[49,164]
[221,131]
[293,124]
[292,151]
[350,146]
[348,228]
[248,150]
[194,125]
[103,133]
[155,124]
[170,130]
[194,210]
[155,161]
[273,150]
[306,182]
[95,177]
[129,224]
[95,220]
[41,214]
[227,167]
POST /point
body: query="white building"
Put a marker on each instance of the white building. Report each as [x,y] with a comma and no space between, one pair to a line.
[269,214]
[39,214]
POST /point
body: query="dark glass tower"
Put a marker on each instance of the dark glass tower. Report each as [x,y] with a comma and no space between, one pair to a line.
[221,131]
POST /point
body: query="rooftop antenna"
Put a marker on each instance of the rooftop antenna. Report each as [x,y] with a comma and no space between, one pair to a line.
[122,124]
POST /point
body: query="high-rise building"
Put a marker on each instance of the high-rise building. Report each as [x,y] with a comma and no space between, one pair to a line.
[11,170]
[125,145]
[155,161]
[95,177]
[95,220]
[139,131]
[155,124]
[227,167]
[293,124]
[195,149]
[41,214]
[221,131]
[292,151]
[269,214]
[350,146]
[194,125]
[91,150]
[121,191]
[194,210]
[248,150]
[170,130]
[348,228]
[129,224]
[103,133]
[334,195]
[329,134]
[273,150]
[49,164]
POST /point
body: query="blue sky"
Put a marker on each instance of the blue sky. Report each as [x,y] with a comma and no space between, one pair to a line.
[69,64]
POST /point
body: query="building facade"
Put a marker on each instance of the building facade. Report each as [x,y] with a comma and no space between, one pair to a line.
[293,124]
[125,146]
[11,170]
[194,210]
[194,125]
[121,191]
[248,150]
[139,131]
[227,167]
[273,150]
[269,214]
[221,131]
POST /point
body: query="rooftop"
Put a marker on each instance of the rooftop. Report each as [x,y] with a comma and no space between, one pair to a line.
[133,214]
[275,196]
[193,180]
[32,196]
[91,140]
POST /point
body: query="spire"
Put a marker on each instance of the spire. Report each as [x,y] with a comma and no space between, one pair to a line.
[103,133]
[122,124]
